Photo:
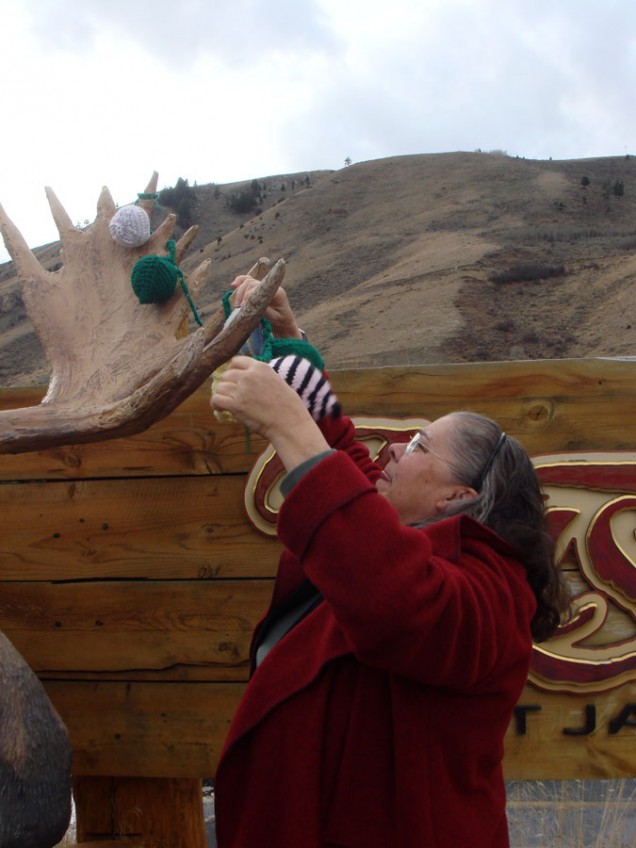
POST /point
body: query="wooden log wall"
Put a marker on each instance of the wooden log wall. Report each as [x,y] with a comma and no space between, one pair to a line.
[131,578]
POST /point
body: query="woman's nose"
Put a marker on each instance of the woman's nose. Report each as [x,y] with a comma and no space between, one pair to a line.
[396,449]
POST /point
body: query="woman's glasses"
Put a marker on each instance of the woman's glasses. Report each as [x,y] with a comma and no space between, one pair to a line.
[418,441]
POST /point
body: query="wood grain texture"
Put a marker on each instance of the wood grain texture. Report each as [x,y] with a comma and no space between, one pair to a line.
[134,627]
[156,528]
[170,730]
[148,812]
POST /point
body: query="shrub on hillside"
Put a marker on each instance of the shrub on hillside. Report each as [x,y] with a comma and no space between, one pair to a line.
[527,273]
[181,199]
[247,200]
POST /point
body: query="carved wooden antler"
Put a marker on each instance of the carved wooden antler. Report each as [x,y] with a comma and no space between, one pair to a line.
[116,365]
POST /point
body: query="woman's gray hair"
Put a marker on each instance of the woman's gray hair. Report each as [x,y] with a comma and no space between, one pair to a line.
[509,501]
[476,441]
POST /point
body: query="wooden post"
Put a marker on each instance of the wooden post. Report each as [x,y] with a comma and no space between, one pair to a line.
[153,812]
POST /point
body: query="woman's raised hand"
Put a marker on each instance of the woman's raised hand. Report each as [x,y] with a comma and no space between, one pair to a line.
[279,312]
[254,393]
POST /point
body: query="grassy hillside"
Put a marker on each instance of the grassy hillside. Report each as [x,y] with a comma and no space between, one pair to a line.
[415,259]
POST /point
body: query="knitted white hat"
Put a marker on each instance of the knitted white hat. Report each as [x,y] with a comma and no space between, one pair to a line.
[130,226]
[310,383]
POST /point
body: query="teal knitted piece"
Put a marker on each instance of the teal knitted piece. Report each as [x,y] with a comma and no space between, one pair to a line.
[154,279]
[274,347]
[295,347]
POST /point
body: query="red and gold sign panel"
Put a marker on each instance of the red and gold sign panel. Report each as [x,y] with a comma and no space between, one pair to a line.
[592,511]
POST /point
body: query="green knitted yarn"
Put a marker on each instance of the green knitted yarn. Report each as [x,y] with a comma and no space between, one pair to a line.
[294,347]
[154,279]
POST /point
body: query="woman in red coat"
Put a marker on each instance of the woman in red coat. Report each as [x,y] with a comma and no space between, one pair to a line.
[400,632]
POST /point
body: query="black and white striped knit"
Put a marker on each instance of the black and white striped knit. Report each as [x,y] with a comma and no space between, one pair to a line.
[310,383]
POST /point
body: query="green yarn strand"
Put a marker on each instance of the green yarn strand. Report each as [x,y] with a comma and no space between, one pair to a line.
[189,299]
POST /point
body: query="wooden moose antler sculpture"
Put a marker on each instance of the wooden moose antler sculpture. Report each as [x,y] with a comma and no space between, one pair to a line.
[116,364]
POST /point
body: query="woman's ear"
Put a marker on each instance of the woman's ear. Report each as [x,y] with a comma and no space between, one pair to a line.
[454,494]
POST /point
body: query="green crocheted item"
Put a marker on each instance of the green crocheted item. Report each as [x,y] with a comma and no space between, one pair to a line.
[274,347]
[154,279]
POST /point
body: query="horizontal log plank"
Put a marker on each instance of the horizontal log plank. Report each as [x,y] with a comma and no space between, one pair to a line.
[157,528]
[179,630]
[550,405]
[134,626]
[146,729]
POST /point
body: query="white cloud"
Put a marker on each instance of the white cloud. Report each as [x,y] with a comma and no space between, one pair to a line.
[105,91]
[177,33]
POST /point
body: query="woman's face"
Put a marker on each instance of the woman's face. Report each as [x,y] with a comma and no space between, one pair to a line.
[421,483]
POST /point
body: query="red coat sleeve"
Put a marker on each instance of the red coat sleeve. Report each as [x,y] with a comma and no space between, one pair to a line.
[447,605]
[340,433]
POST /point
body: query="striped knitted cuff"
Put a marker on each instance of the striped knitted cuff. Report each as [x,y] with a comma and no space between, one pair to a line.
[310,383]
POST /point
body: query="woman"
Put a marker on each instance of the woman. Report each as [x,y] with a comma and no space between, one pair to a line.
[399,635]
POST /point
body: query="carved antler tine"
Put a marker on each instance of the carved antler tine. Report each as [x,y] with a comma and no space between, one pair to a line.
[60,215]
[185,241]
[198,276]
[105,205]
[26,264]
[157,241]
[148,203]
[260,268]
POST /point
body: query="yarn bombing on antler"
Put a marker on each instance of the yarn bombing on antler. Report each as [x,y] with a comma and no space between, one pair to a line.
[154,279]
[130,226]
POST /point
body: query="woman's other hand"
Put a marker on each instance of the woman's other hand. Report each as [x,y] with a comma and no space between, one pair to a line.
[279,312]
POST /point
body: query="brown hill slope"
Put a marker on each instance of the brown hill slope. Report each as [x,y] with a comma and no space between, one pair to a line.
[429,258]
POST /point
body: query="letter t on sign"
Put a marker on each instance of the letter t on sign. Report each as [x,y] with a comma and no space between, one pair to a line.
[520,716]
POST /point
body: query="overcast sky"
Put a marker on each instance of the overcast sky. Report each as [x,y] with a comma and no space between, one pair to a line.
[103,92]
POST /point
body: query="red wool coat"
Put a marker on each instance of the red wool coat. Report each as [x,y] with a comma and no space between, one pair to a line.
[378,720]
